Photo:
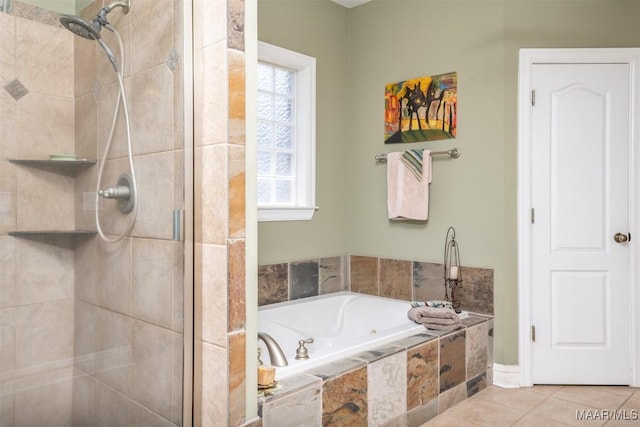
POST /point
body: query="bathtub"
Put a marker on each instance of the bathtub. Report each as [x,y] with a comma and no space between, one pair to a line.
[341,324]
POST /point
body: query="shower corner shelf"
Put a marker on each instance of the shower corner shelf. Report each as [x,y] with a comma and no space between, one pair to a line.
[51,233]
[72,166]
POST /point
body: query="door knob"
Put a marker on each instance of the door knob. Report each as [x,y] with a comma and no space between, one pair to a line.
[621,237]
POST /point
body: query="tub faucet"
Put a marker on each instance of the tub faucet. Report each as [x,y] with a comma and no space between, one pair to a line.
[275,352]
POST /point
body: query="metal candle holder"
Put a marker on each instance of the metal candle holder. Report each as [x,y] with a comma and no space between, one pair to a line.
[452,272]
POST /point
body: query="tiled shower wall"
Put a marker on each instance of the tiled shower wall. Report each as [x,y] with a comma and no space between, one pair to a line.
[91,332]
[399,279]
[219,193]
[36,276]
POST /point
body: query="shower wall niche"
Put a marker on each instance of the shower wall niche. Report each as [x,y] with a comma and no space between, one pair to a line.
[91,333]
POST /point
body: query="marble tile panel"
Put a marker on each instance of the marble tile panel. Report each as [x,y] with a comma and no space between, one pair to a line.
[476,291]
[378,353]
[213,114]
[476,384]
[215,380]
[153,263]
[151,106]
[7,343]
[452,397]
[115,350]
[47,404]
[86,125]
[7,48]
[420,415]
[236,191]
[236,126]
[106,98]
[330,275]
[152,368]
[7,271]
[336,368]
[210,24]
[237,377]
[151,33]
[155,196]
[211,294]
[236,285]
[304,279]
[44,58]
[43,271]
[273,283]
[114,284]
[85,65]
[43,333]
[85,332]
[112,408]
[452,360]
[54,131]
[41,191]
[476,349]
[387,389]
[235,24]
[395,279]
[211,194]
[83,409]
[428,282]
[364,274]
[303,408]
[344,400]
[422,374]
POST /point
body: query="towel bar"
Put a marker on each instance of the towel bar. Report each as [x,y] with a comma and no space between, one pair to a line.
[454,153]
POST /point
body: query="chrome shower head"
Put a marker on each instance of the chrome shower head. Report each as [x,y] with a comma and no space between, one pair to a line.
[80,27]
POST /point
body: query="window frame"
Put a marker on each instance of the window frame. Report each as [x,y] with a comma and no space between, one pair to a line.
[305,113]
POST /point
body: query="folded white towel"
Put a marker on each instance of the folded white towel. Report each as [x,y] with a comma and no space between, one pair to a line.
[408,196]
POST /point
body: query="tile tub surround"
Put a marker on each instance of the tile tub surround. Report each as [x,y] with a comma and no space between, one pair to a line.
[405,383]
[391,278]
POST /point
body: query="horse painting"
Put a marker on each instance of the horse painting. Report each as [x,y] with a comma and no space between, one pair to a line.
[434,109]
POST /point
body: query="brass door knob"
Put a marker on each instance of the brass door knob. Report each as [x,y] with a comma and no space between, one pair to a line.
[621,237]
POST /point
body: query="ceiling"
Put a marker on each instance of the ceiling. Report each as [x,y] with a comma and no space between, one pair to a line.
[351,3]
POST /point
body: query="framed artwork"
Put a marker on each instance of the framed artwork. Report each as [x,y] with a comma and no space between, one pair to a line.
[421,109]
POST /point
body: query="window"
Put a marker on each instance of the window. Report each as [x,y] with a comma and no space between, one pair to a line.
[286,134]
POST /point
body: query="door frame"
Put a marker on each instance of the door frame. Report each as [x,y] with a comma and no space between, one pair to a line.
[529,57]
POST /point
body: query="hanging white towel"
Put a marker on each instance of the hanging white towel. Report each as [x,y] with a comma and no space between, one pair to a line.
[408,196]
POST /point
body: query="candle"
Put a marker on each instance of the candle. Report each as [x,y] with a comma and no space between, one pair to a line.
[453,272]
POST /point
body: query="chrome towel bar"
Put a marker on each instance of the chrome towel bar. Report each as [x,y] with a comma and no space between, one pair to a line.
[454,153]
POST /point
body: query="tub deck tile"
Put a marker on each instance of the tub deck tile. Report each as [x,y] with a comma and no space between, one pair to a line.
[287,386]
[414,340]
[378,353]
[474,320]
[334,369]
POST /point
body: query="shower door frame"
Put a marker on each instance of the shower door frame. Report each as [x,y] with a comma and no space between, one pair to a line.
[187,213]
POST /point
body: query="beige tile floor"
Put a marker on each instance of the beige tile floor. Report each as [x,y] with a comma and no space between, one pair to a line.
[543,406]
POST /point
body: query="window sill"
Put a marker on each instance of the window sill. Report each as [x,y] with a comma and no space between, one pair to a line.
[285,214]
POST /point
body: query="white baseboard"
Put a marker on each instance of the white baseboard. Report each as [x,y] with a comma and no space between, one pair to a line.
[506,376]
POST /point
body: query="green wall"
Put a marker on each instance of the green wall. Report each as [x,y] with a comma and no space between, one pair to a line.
[392,40]
[318,29]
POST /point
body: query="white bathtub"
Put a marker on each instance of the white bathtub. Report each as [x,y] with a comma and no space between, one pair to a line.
[341,324]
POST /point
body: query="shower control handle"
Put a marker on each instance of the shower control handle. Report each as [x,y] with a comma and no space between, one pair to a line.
[118,192]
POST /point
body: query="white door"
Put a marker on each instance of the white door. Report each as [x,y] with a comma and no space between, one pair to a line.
[580,196]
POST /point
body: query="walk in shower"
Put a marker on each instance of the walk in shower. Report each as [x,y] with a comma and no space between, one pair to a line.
[92,329]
